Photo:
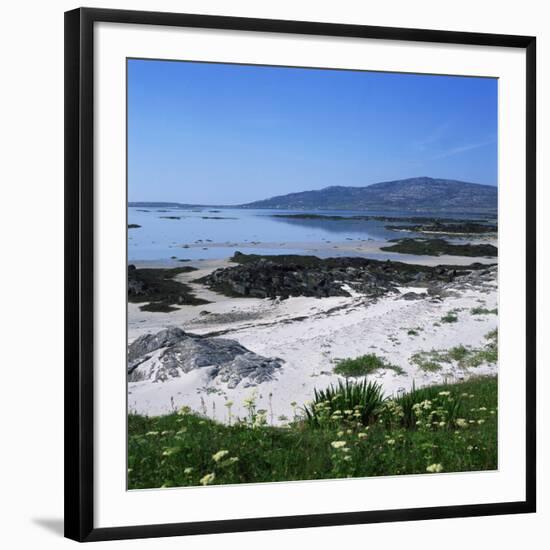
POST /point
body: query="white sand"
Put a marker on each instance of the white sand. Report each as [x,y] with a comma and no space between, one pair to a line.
[310,334]
[366,248]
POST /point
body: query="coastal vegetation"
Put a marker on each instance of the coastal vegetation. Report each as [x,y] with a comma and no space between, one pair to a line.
[463,356]
[364,365]
[350,430]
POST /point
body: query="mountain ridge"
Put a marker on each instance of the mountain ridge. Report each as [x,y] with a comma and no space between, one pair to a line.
[407,194]
[411,194]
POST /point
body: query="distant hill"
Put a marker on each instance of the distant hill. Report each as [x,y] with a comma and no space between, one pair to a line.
[408,194]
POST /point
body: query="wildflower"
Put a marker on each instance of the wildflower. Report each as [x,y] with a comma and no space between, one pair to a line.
[170,451]
[470,448]
[347,458]
[184,410]
[260,419]
[461,423]
[481,421]
[390,441]
[338,444]
[187,470]
[348,412]
[152,433]
[434,468]
[232,460]
[207,479]
[482,409]
[442,424]
[340,433]
[361,435]
[219,455]
[444,393]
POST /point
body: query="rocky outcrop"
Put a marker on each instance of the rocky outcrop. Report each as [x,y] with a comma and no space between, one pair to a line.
[436,247]
[173,352]
[291,275]
[158,289]
[455,228]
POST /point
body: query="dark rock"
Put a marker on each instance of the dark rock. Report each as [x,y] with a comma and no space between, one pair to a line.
[159,289]
[436,247]
[292,275]
[466,228]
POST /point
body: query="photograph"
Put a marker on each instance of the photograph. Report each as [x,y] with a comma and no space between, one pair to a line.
[312,273]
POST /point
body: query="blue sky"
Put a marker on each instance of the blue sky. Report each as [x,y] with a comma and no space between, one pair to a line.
[229,134]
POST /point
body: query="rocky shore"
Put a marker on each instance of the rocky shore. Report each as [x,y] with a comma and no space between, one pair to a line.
[172,353]
[283,276]
[437,247]
[158,290]
[456,228]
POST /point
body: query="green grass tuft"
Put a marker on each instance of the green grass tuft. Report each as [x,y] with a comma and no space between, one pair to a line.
[483,311]
[364,365]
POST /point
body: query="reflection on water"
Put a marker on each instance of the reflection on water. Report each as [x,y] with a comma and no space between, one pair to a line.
[164,232]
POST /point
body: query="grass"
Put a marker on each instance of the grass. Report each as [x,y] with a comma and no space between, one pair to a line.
[404,435]
[483,311]
[364,365]
[450,317]
[434,360]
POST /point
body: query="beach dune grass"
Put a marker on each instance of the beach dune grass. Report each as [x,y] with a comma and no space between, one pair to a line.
[185,450]
[364,365]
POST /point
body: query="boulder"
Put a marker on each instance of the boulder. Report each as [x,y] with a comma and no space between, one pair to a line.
[173,352]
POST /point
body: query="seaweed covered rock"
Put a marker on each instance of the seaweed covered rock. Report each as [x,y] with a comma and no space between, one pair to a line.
[292,275]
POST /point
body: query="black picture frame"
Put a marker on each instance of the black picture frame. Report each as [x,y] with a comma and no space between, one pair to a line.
[79,268]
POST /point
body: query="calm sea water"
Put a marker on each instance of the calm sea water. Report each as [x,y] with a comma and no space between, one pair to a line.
[160,238]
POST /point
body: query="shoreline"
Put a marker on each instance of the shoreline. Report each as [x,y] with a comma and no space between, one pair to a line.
[310,335]
[363,248]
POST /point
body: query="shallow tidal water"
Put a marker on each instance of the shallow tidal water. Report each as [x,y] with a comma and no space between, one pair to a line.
[164,232]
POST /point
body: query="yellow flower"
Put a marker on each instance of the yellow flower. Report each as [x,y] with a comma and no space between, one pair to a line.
[219,455]
[338,444]
[207,479]
[434,468]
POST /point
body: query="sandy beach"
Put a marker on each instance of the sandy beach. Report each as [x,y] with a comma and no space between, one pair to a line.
[310,335]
